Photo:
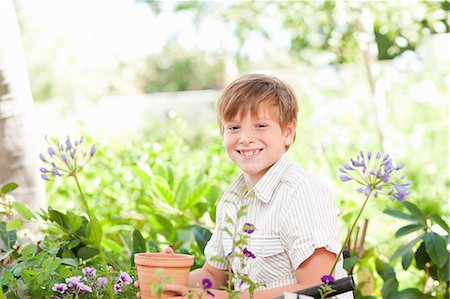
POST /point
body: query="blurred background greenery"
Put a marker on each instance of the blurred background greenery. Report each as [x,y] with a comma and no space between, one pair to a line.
[369,75]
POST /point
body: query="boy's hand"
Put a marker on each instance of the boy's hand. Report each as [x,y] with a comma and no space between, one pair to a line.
[136,282]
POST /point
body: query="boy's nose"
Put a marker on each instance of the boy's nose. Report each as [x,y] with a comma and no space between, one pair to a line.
[245,137]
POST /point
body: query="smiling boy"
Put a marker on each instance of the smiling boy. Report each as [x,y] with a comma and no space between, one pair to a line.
[296,238]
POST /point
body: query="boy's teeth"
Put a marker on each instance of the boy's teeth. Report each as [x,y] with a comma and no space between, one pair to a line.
[249,153]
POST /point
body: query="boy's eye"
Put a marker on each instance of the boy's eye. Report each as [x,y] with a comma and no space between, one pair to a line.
[261,125]
[232,128]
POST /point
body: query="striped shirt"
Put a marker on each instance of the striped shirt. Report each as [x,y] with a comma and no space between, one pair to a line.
[293,214]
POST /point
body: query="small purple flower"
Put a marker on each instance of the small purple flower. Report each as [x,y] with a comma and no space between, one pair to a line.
[73,281]
[248,253]
[51,151]
[84,288]
[41,156]
[206,283]
[345,178]
[125,278]
[60,288]
[93,150]
[89,273]
[44,177]
[117,288]
[102,281]
[328,279]
[249,228]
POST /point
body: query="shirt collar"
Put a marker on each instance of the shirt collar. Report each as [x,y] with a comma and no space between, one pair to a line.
[267,184]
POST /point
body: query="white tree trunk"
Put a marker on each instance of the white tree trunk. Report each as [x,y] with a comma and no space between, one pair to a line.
[18,159]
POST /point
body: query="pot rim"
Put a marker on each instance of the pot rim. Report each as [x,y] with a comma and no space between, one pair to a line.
[160,259]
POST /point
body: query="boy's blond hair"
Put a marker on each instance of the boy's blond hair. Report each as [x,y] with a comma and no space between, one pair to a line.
[249,91]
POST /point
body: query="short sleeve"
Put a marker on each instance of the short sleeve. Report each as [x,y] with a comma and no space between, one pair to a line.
[214,247]
[309,221]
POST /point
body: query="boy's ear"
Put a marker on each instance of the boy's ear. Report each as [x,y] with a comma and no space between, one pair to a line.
[290,131]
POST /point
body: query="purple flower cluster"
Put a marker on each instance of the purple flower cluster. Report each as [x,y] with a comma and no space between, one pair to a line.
[73,286]
[76,285]
[64,158]
[328,279]
[377,174]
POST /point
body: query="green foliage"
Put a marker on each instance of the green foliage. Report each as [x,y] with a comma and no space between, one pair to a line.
[177,69]
[428,249]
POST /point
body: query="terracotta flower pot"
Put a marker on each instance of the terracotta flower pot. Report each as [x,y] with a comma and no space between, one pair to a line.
[175,269]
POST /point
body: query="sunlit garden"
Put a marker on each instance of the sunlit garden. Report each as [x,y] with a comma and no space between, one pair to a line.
[85,188]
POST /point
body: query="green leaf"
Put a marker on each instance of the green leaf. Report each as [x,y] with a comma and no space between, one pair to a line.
[14,224]
[389,289]
[398,214]
[202,236]
[412,293]
[112,245]
[421,256]
[181,191]
[384,269]
[409,229]
[407,259]
[138,242]
[7,277]
[196,195]
[87,252]
[8,188]
[7,238]
[414,210]
[435,246]
[350,261]
[69,261]
[22,209]
[51,264]
[75,221]
[162,191]
[440,221]
[60,219]
[404,249]
[443,272]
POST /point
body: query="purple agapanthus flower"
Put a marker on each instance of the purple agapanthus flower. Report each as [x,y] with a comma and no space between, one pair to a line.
[328,279]
[249,228]
[248,253]
[124,278]
[377,176]
[64,158]
[60,288]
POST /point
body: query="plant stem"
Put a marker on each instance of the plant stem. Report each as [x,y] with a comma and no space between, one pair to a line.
[96,235]
[349,233]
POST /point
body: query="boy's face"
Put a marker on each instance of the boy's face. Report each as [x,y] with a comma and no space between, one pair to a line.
[255,144]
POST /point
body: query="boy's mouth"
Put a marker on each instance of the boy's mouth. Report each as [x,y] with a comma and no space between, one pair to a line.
[249,153]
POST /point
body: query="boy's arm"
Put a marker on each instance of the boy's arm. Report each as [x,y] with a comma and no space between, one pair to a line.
[217,277]
[309,273]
